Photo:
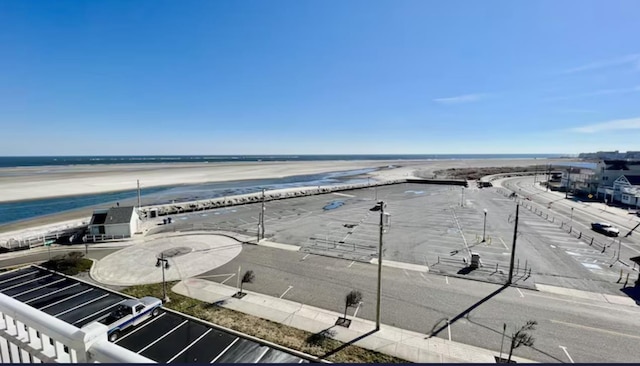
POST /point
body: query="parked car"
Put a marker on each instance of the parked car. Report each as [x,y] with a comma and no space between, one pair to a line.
[605,228]
[129,313]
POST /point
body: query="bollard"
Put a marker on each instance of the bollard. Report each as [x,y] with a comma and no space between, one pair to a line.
[525,266]
[570,228]
[580,236]
[562,225]
[626,281]
[438,262]
[553,219]
[591,241]
[496,267]
[529,271]
[547,216]
[603,248]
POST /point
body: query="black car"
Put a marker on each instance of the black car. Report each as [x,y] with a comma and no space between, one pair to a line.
[604,228]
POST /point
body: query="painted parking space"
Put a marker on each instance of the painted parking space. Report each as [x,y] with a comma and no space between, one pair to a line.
[167,338]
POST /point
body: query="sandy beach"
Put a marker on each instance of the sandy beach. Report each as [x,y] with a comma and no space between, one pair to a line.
[43,182]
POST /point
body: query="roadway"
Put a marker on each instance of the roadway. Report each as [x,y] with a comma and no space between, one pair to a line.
[589,331]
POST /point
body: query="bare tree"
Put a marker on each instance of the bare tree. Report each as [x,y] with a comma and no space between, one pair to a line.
[353,298]
[248,277]
[522,338]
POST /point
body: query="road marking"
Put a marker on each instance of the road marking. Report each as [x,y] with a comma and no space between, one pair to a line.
[228,278]
[358,308]
[225,350]
[567,353]
[163,336]
[449,329]
[446,279]
[406,273]
[81,305]
[305,257]
[596,329]
[263,354]
[503,243]
[22,275]
[189,346]
[423,276]
[37,288]
[24,283]
[351,264]
[51,293]
[285,292]
[137,328]
[343,194]
[520,292]
[66,298]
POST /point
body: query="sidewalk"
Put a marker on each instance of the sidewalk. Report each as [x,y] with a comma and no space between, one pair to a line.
[408,345]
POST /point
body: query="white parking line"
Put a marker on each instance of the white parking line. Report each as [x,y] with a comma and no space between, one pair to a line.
[66,298]
[503,243]
[305,257]
[13,278]
[99,311]
[567,353]
[351,264]
[285,292]
[24,283]
[190,344]
[51,293]
[37,288]
[262,355]
[225,350]
[162,336]
[446,278]
[423,276]
[81,305]
[520,292]
[137,328]
[228,278]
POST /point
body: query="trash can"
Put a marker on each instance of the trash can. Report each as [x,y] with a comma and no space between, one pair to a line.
[475,260]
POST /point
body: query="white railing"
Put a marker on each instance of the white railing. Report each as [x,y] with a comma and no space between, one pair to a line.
[28,335]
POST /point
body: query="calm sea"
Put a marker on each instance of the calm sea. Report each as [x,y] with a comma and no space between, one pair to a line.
[25,210]
[16,161]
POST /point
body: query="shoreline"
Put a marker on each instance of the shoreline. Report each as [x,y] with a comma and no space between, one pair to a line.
[385,170]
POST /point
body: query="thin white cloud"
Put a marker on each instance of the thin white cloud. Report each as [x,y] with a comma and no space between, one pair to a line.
[459,99]
[600,92]
[633,59]
[617,124]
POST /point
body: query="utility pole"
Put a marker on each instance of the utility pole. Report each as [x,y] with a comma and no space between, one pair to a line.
[262,215]
[381,203]
[513,249]
[484,229]
[138,194]
[566,193]
[548,176]
[504,330]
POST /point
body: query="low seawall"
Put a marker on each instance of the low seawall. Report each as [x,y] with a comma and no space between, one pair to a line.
[201,205]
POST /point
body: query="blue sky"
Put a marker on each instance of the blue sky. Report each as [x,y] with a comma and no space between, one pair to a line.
[318,77]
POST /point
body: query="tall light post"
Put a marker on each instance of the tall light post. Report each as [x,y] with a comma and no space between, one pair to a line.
[571,218]
[462,198]
[262,215]
[566,193]
[484,229]
[384,220]
[163,263]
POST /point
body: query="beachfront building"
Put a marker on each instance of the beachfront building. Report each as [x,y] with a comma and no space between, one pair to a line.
[115,222]
[611,181]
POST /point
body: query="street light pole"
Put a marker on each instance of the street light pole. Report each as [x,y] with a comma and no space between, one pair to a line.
[484,230]
[381,203]
[566,193]
[548,176]
[164,263]
[513,249]
[571,218]
[462,199]
[262,215]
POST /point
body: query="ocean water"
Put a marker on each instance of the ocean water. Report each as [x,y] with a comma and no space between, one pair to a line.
[24,210]
[22,161]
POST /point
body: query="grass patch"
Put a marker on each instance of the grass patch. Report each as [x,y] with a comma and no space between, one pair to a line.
[477,173]
[314,344]
[70,264]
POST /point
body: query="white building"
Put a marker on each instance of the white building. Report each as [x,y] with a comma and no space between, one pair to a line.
[627,188]
[116,222]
